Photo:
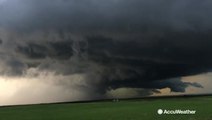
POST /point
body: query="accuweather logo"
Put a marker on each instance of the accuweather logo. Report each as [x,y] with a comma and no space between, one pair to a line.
[174,112]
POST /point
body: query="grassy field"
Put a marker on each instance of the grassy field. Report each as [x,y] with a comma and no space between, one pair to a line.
[145,109]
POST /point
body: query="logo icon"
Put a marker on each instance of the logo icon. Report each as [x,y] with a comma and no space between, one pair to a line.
[160,111]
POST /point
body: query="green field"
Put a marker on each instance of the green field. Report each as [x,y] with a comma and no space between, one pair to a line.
[144,109]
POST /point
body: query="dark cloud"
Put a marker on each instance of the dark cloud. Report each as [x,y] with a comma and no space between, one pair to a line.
[112,44]
[60,50]
[1,41]
[108,64]
[118,15]
[175,84]
[32,51]
[11,66]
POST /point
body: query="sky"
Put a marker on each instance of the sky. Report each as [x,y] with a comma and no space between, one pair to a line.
[73,50]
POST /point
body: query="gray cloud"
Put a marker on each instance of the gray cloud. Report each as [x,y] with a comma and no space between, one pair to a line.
[112,44]
[136,15]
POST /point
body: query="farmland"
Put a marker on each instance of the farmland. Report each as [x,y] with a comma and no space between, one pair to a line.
[135,109]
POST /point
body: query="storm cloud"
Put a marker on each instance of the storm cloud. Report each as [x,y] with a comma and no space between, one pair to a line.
[109,45]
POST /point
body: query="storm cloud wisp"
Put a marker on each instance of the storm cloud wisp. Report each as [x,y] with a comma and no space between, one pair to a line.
[83,49]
